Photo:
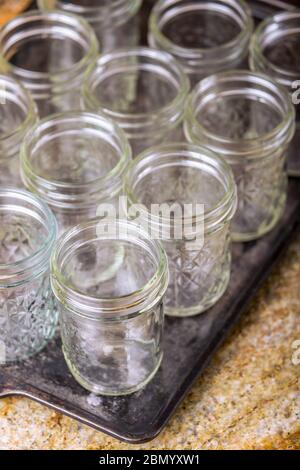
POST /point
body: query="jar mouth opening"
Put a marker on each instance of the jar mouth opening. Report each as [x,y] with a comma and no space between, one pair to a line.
[50,131]
[114,307]
[278,26]
[16,202]
[164,11]
[248,86]
[159,64]
[178,156]
[33,25]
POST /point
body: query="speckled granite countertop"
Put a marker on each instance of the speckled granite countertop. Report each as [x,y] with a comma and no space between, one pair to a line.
[249,397]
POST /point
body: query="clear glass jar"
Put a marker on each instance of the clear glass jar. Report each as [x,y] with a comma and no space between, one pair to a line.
[18,114]
[75,161]
[204,36]
[249,120]
[274,50]
[143,90]
[49,53]
[28,316]
[111,327]
[198,256]
[115,22]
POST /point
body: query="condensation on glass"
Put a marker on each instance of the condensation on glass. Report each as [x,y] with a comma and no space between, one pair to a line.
[49,53]
[111,319]
[275,50]
[204,36]
[249,120]
[199,258]
[75,161]
[115,22]
[143,90]
[17,115]
[28,316]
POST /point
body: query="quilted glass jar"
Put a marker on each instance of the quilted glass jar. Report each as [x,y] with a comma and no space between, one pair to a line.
[249,120]
[143,90]
[204,36]
[275,50]
[17,115]
[28,316]
[110,279]
[75,161]
[198,190]
[115,22]
[49,53]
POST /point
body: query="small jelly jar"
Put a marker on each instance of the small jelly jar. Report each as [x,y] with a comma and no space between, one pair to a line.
[143,90]
[49,53]
[28,316]
[204,36]
[18,114]
[75,161]
[275,50]
[249,120]
[115,22]
[199,256]
[111,323]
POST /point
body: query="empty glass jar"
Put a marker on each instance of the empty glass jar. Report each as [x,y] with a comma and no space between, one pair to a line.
[111,325]
[49,53]
[204,36]
[28,316]
[18,114]
[115,22]
[275,50]
[143,90]
[189,198]
[75,162]
[249,120]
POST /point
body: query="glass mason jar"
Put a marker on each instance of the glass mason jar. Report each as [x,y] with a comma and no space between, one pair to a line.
[204,36]
[75,161]
[48,53]
[111,326]
[196,197]
[249,120]
[275,50]
[143,90]
[28,316]
[115,22]
[18,114]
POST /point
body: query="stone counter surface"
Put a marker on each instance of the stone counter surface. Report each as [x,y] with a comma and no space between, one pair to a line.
[248,398]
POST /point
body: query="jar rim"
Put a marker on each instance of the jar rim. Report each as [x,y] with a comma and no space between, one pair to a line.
[116,308]
[286,77]
[195,53]
[21,270]
[98,188]
[165,113]
[284,130]
[222,211]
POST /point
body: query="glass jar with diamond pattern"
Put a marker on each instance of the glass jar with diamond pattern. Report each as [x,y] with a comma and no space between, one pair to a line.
[248,119]
[28,316]
[187,197]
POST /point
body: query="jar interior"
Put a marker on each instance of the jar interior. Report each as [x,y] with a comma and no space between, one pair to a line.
[282,50]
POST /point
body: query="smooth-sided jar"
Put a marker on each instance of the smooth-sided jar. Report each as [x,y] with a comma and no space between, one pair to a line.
[249,120]
[28,316]
[111,326]
[17,115]
[75,162]
[275,50]
[143,90]
[49,53]
[187,196]
[204,36]
[115,22]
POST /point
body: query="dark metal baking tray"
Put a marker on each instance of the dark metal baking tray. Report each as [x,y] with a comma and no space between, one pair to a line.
[189,344]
